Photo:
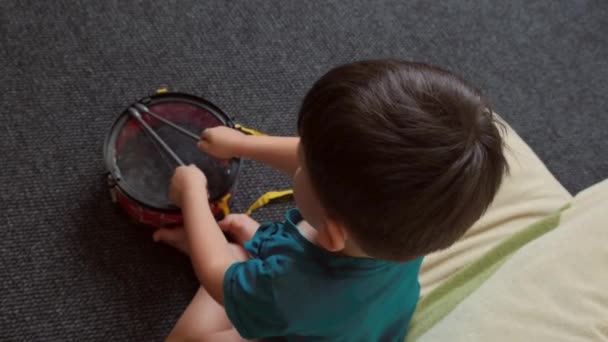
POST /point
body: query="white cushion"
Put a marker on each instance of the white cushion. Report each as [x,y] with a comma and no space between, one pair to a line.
[555,288]
[528,194]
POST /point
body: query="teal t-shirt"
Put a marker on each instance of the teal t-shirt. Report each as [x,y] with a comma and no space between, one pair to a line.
[294,289]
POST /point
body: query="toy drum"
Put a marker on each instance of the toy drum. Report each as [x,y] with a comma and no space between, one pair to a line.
[140,169]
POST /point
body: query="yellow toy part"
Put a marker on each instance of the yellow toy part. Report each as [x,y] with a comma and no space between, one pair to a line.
[271,195]
[249,131]
[267,198]
[161,90]
[223,205]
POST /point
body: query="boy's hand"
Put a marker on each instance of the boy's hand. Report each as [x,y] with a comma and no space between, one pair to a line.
[186,180]
[221,142]
[239,226]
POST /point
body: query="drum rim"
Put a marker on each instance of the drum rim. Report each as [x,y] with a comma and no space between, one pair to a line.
[110,138]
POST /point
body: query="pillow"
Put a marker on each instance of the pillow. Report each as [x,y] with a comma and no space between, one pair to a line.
[552,289]
[528,193]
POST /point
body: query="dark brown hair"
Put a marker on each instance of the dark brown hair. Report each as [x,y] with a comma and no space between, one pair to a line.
[407,155]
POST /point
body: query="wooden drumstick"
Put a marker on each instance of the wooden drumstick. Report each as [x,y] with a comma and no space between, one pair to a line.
[137,115]
[171,124]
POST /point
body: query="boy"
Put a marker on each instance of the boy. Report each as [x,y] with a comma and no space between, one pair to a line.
[394,160]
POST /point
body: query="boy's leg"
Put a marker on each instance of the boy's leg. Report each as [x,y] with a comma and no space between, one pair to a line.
[230,335]
[204,316]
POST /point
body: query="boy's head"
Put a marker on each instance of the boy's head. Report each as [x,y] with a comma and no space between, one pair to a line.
[400,158]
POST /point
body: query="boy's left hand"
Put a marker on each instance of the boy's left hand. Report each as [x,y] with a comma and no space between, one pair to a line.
[187,179]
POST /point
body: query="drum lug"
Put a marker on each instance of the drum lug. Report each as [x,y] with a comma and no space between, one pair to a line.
[112,187]
[117,176]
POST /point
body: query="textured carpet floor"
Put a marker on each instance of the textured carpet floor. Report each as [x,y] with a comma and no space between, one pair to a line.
[71,268]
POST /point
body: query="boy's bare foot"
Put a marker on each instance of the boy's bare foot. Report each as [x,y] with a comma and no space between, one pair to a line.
[175,237]
[240,227]
[178,239]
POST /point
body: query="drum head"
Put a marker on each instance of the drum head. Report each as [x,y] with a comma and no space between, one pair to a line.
[143,169]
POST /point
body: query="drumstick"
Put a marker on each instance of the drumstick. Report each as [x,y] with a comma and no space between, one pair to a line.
[135,114]
[171,124]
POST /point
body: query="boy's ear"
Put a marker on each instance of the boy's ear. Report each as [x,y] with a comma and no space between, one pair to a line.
[334,236]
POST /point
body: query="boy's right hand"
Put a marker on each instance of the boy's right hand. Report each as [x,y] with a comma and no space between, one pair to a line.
[240,227]
[221,142]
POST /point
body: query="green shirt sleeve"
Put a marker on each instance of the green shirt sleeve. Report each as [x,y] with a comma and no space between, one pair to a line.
[249,298]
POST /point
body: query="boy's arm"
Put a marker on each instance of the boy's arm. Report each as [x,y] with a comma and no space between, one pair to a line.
[250,284]
[278,152]
[209,250]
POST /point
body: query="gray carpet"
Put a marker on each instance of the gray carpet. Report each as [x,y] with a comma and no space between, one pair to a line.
[73,269]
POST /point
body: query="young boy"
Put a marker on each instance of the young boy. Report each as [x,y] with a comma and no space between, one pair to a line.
[394,160]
